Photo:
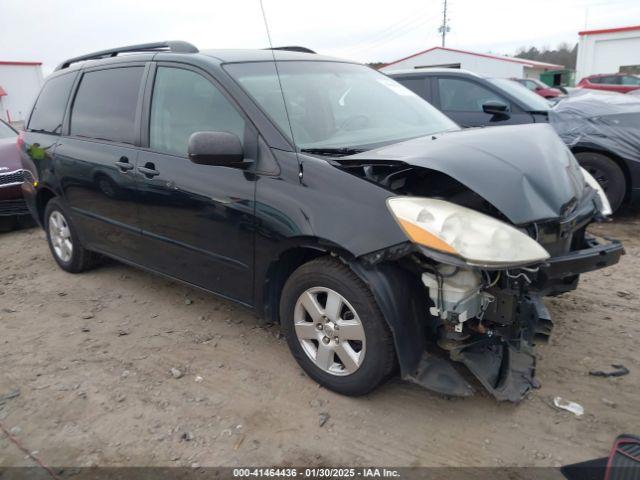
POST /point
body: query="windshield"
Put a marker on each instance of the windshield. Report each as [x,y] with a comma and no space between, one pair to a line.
[338,105]
[531,101]
[6,131]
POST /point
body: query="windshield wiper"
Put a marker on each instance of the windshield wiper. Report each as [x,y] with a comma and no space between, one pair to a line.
[333,152]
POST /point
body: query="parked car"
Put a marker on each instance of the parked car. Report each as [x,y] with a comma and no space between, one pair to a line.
[613,82]
[377,233]
[475,101]
[540,88]
[13,209]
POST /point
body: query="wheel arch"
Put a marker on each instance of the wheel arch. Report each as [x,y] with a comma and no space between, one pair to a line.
[617,159]
[285,263]
[397,292]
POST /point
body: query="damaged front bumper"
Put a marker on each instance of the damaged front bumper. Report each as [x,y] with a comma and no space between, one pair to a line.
[498,348]
[560,274]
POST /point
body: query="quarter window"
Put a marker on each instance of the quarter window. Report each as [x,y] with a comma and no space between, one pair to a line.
[463,96]
[106,103]
[416,85]
[49,108]
[185,102]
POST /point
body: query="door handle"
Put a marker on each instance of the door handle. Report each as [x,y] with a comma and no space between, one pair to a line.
[149,170]
[124,165]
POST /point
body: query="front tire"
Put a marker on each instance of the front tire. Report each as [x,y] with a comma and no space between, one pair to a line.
[63,240]
[335,329]
[608,174]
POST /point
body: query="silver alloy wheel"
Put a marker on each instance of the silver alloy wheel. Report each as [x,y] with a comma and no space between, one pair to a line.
[60,236]
[329,331]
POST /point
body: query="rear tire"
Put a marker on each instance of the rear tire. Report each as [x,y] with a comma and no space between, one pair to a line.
[353,352]
[63,240]
[608,174]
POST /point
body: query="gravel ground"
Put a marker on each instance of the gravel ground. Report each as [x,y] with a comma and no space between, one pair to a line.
[92,356]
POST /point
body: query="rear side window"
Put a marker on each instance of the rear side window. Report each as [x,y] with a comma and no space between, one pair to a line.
[185,102]
[49,108]
[613,80]
[105,105]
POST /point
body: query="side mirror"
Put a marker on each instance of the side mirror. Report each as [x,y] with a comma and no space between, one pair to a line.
[493,107]
[215,148]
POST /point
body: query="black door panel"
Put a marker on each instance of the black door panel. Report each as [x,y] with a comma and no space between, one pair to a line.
[198,223]
[96,158]
[197,220]
[101,193]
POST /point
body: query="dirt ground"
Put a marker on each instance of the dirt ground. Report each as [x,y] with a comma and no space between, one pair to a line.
[92,354]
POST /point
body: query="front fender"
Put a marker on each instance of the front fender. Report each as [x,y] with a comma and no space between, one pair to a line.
[403,304]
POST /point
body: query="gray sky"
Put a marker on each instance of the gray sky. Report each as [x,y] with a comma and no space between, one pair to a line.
[363,30]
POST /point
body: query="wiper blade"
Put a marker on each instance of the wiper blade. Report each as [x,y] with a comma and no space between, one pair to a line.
[333,152]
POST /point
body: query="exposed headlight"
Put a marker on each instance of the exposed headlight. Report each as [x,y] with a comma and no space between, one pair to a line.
[605,206]
[480,240]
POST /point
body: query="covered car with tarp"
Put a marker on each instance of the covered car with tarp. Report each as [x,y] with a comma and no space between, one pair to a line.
[603,131]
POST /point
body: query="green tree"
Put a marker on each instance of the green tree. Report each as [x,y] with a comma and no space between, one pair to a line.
[564,54]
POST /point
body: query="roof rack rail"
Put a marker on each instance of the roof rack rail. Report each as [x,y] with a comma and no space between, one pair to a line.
[293,48]
[175,46]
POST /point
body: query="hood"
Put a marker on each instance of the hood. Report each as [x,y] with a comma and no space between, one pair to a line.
[9,155]
[525,171]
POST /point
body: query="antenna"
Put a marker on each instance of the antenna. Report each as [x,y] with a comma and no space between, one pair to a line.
[444,28]
[284,102]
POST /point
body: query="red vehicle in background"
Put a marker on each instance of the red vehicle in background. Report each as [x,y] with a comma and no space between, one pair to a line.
[13,209]
[612,82]
[540,88]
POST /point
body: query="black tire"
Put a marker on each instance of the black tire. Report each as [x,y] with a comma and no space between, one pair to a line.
[81,259]
[379,360]
[608,174]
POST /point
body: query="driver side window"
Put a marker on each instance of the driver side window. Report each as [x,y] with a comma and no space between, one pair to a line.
[458,95]
[185,102]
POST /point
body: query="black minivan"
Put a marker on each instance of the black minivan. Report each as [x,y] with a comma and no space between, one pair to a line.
[324,195]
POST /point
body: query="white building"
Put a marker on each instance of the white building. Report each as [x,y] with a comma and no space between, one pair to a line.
[608,51]
[20,83]
[490,65]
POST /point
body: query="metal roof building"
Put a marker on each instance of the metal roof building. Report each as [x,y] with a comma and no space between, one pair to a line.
[610,50]
[20,83]
[498,66]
